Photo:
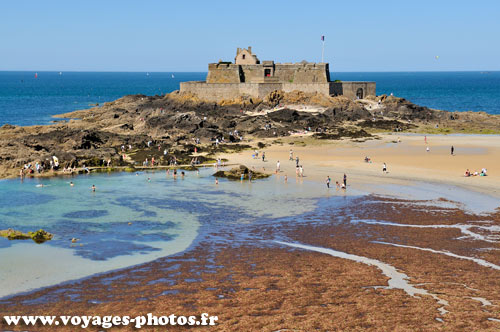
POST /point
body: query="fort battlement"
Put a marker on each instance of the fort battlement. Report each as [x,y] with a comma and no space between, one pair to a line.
[247,76]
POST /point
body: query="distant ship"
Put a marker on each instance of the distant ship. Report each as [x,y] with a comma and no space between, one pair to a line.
[147,74]
[36,75]
[60,73]
[173,76]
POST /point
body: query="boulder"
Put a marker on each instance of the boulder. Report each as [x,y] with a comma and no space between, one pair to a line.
[235,173]
[38,236]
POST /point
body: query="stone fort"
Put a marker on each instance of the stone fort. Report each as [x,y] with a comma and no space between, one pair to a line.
[248,76]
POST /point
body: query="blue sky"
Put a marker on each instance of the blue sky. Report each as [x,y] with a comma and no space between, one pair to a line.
[185,35]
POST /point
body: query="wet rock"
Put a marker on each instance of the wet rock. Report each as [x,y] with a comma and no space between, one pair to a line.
[236,172]
[38,236]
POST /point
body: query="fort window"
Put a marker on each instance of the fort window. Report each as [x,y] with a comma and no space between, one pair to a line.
[359,93]
[243,56]
[267,72]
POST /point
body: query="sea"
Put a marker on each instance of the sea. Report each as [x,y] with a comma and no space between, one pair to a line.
[32,98]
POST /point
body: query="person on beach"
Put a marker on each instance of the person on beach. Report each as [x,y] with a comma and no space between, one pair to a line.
[291,155]
[345,180]
[250,176]
[286,178]
[297,161]
[328,182]
[452,150]
[93,188]
[343,187]
[425,139]
[337,184]
[152,161]
[175,173]
[168,171]
[297,170]
[384,168]
[301,171]
[427,149]
[277,167]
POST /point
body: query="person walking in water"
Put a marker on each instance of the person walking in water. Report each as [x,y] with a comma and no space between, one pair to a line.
[297,161]
[345,180]
[452,150]
[278,167]
[328,180]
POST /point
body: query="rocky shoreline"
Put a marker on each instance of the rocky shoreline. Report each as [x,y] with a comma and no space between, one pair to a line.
[179,129]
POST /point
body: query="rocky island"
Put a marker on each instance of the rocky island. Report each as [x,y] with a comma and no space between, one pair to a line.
[180,128]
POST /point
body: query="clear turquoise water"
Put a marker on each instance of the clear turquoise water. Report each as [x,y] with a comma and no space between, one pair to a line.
[25,100]
[128,220]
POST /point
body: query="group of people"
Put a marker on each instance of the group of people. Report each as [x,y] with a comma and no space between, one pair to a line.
[475,173]
[341,185]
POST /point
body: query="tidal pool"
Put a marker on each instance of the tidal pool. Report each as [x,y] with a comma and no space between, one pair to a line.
[130,219]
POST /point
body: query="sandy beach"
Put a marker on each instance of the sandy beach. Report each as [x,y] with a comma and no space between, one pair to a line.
[416,248]
[406,161]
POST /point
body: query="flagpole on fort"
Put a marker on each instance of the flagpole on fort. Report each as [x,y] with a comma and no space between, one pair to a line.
[322,49]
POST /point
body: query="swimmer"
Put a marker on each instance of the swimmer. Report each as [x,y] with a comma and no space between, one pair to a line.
[39,185]
[182,174]
[93,187]
[71,184]
[216,181]
[149,179]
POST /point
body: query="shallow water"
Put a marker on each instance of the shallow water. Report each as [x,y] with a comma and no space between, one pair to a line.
[127,221]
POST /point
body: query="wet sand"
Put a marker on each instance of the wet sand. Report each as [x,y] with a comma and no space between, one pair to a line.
[254,283]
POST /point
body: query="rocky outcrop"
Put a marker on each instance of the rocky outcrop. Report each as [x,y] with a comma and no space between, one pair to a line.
[173,121]
[236,173]
[38,236]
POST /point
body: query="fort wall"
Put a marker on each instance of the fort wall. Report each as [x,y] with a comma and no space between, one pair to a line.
[219,91]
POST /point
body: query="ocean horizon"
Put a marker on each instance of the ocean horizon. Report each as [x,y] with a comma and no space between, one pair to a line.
[26,100]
